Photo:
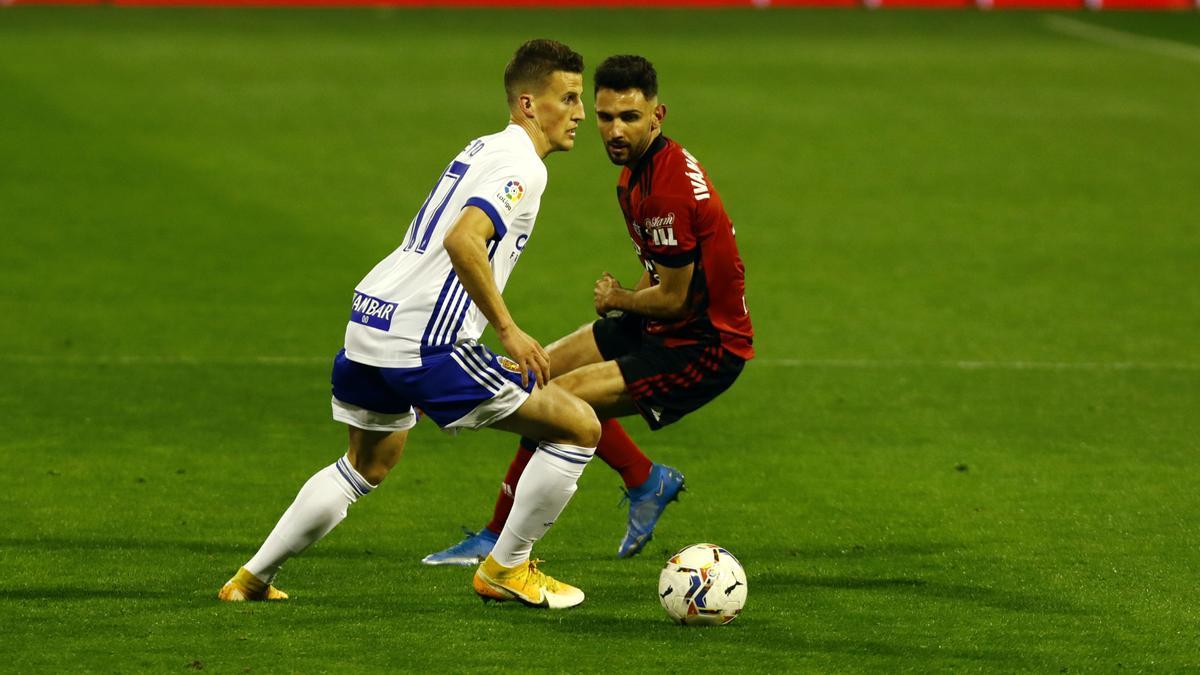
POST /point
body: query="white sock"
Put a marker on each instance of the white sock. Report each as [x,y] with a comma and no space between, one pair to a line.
[320,505]
[541,495]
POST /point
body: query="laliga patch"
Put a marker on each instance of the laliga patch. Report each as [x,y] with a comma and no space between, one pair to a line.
[508,364]
[510,195]
[372,312]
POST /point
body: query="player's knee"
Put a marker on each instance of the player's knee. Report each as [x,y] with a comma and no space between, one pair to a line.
[586,426]
[374,473]
[373,454]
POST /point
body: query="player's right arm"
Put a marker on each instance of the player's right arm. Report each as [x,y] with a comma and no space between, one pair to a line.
[644,282]
[466,244]
[666,300]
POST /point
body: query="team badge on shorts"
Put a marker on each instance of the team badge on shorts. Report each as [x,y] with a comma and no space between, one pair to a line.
[508,364]
[510,194]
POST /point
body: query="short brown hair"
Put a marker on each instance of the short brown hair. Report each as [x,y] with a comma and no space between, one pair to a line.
[534,62]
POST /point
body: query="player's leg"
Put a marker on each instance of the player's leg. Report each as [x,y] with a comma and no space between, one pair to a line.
[567,431]
[320,505]
[665,384]
[567,354]
[574,351]
[376,442]
[579,349]
[474,388]
[613,338]
[476,546]
[654,486]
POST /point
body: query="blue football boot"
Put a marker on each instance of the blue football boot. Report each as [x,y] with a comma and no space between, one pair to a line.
[646,503]
[470,551]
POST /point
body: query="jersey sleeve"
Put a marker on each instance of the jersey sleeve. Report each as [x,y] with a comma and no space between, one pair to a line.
[505,192]
[668,229]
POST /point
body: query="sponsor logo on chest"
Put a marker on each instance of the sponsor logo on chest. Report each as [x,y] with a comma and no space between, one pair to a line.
[371,312]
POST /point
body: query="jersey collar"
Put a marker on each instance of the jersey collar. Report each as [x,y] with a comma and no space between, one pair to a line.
[645,160]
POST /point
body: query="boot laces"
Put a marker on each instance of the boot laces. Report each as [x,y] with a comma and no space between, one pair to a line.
[534,576]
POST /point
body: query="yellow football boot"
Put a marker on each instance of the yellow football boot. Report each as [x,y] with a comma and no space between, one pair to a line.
[524,583]
[245,586]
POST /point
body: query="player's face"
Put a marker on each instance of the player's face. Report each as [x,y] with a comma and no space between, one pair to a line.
[628,123]
[559,109]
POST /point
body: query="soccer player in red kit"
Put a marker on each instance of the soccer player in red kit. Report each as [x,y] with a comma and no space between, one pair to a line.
[670,344]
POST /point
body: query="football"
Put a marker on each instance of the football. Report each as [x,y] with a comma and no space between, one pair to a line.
[702,585]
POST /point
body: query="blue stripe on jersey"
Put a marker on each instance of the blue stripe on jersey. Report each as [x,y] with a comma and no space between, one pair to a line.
[455,304]
[493,246]
[486,206]
[450,285]
[462,317]
[450,311]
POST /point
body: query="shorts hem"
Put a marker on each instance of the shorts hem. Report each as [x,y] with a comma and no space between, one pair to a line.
[506,402]
[369,420]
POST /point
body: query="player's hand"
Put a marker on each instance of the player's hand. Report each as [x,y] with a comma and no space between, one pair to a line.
[528,354]
[606,286]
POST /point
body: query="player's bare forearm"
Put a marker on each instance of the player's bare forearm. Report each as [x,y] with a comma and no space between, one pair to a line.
[466,243]
[666,300]
[649,302]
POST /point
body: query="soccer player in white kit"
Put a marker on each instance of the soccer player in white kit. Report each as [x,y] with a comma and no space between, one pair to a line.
[411,343]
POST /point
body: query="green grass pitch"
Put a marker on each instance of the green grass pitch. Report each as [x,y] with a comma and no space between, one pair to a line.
[969,442]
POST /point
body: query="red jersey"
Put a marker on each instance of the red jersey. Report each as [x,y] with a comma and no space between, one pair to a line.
[676,218]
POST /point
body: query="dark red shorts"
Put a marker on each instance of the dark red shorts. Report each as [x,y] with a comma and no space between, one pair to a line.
[666,383]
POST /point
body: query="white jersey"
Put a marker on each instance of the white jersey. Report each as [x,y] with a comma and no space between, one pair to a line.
[411,305]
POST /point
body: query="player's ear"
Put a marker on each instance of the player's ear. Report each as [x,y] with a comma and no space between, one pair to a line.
[525,105]
[660,114]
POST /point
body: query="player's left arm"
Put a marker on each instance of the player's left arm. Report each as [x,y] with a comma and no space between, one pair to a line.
[668,299]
